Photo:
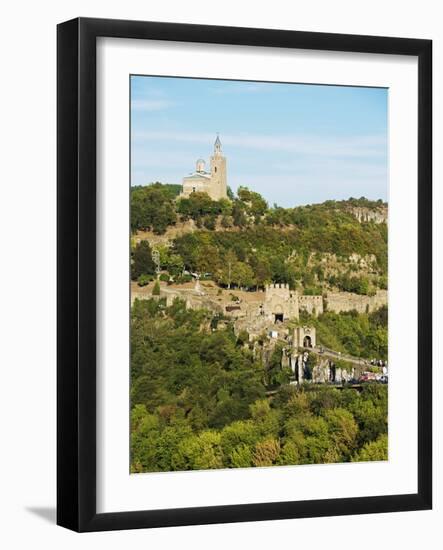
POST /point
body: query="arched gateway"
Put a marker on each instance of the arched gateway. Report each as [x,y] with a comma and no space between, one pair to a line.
[307,342]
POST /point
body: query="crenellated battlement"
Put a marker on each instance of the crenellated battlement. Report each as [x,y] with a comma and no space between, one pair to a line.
[279,290]
[313,299]
[280,302]
[275,286]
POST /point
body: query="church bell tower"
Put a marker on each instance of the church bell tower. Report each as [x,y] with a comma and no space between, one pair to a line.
[218,172]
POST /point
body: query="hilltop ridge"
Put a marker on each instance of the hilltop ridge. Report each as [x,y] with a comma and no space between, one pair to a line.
[244,243]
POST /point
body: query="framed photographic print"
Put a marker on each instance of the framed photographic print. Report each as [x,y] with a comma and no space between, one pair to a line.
[244,274]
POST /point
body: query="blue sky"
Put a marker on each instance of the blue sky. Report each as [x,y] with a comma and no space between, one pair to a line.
[293,143]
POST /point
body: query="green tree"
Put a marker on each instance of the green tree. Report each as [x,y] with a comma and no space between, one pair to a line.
[236,436]
[224,273]
[152,207]
[243,275]
[197,206]
[342,430]
[241,457]
[207,258]
[374,450]
[266,452]
[256,205]
[142,262]
[174,263]
[199,452]
[238,214]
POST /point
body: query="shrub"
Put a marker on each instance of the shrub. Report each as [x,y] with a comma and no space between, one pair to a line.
[185,278]
[209,222]
[227,221]
[144,279]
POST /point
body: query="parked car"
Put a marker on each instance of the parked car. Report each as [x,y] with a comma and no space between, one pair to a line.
[367,377]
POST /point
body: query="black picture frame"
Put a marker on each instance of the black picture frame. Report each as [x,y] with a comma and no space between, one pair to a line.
[76,279]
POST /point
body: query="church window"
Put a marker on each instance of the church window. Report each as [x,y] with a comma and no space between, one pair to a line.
[215,168]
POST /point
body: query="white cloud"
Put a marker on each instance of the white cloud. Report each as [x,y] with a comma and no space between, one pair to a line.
[333,146]
[151,104]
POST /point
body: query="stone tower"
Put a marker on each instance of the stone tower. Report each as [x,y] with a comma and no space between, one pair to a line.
[218,171]
[280,303]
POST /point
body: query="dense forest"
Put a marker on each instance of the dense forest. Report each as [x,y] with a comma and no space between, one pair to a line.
[245,243]
[202,396]
[198,397]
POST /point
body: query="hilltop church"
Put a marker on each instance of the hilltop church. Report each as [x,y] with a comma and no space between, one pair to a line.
[214,182]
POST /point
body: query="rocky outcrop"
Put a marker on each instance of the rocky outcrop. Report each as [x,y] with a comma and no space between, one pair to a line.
[378,214]
[310,367]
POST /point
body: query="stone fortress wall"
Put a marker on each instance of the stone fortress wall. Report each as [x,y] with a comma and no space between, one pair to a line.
[312,304]
[347,301]
[279,300]
[193,299]
[280,304]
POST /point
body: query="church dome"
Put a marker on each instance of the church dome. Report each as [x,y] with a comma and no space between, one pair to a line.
[200,165]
